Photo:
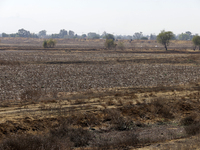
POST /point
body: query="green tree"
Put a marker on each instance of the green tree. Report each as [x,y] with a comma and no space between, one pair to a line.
[138,35]
[24,33]
[144,38]
[164,38]
[42,34]
[84,35]
[110,37]
[63,33]
[196,41]
[5,35]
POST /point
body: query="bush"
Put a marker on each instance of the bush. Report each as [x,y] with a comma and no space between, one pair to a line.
[189,120]
[162,109]
[49,43]
[121,46]
[33,142]
[45,44]
[77,136]
[110,43]
[193,129]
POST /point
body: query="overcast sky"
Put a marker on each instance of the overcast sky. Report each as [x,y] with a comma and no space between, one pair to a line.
[113,16]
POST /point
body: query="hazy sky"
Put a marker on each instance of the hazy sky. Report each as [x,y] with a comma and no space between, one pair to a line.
[113,16]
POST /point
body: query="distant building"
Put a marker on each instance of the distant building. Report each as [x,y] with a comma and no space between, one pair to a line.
[0,35]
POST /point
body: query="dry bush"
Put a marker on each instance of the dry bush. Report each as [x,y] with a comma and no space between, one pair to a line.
[84,119]
[110,102]
[30,95]
[120,102]
[116,120]
[189,120]
[79,101]
[160,107]
[104,142]
[192,129]
[120,45]
[184,106]
[192,124]
[33,142]
[78,136]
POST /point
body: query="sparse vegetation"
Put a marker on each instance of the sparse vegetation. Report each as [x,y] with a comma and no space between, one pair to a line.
[91,98]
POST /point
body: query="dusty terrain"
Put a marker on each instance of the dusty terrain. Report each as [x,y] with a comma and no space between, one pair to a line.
[94,98]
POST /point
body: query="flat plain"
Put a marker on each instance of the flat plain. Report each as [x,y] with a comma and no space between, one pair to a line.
[80,95]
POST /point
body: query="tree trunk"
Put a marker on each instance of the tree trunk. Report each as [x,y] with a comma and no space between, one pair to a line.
[194,48]
[166,47]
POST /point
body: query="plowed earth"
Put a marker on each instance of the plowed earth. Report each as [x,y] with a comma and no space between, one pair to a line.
[97,90]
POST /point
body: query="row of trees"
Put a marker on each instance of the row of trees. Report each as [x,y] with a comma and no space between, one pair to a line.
[92,35]
[42,34]
[163,38]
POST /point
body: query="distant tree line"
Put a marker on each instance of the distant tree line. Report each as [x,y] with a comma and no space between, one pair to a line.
[92,35]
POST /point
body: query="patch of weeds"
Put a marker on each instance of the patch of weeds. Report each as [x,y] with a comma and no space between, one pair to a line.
[78,136]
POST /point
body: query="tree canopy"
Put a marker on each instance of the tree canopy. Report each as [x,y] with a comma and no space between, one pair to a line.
[165,37]
[196,41]
[110,37]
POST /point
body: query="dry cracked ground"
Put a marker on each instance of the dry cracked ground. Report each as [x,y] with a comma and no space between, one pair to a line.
[99,99]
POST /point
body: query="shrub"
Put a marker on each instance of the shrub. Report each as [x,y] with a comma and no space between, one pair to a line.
[45,44]
[78,136]
[110,43]
[192,129]
[49,43]
[162,109]
[189,120]
[121,46]
[33,142]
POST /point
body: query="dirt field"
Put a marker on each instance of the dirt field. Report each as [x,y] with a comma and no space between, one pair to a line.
[93,98]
